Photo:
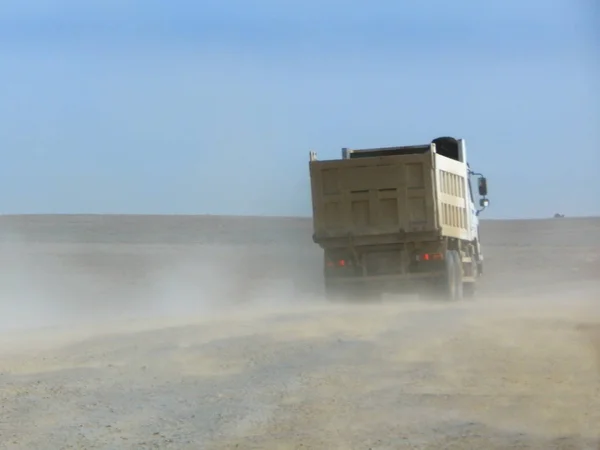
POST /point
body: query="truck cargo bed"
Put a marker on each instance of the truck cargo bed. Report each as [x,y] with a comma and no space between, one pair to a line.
[423,193]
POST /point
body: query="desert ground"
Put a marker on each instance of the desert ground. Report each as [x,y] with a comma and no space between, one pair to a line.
[150,332]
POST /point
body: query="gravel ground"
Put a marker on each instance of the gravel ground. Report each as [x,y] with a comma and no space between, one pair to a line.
[210,333]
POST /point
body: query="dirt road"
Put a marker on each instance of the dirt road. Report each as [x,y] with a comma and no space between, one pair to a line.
[220,341]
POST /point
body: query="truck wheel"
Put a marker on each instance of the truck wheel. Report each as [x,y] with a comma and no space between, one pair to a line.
[458,274]
[469,289]
[447,288]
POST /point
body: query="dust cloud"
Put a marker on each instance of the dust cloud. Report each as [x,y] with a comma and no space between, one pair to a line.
[46,284]
[211,332]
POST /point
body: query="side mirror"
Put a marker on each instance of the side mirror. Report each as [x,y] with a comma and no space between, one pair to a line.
[483,186]
[484,202]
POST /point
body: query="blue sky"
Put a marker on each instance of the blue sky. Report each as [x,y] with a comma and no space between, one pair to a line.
[192,106]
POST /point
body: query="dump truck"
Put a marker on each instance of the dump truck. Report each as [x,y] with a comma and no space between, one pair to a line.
[399,220]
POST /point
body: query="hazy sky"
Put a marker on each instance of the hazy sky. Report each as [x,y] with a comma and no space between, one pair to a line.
[211,106]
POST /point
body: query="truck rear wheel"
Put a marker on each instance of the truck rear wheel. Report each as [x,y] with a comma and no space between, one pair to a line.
[458,267]
[469,288]
[448,288]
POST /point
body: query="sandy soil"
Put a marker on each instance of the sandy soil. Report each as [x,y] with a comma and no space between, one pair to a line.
[210,333]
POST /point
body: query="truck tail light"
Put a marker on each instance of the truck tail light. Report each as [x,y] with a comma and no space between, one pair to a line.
[430,257]
[339,263]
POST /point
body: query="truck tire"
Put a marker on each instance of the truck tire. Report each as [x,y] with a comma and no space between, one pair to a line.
[447,287]
[458,274]
[469,289]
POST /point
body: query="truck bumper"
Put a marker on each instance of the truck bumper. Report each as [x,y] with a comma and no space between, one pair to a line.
[393,283]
